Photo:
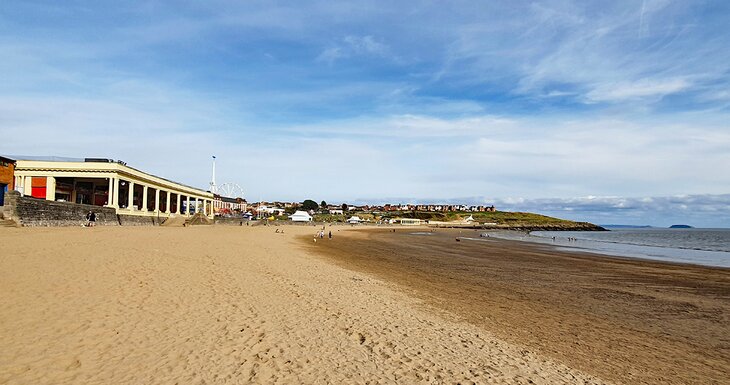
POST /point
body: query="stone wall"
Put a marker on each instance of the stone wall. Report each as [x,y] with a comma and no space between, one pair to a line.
[8,210]
[135,220]
[33,212]
[28,211]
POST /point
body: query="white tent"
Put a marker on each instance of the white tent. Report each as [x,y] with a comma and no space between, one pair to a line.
[354,219]
[300,216]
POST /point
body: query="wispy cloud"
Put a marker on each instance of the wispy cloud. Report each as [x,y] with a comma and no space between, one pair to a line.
[351,46]
[640,89]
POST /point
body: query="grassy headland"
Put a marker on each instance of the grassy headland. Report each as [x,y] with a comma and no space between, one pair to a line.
[497,219]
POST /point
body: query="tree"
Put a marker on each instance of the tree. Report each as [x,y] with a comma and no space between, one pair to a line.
[344,207]
[323,205]
[309,204]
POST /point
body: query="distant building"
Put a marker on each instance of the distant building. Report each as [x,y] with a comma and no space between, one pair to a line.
[270,210]
[109,183]
[300,216]
[228,206]
[7,177]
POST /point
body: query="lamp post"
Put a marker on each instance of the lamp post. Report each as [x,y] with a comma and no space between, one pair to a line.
[212,180]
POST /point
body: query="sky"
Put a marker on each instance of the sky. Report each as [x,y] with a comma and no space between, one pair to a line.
[610,112]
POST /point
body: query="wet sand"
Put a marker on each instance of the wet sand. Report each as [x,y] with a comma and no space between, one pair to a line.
[624,320]
[229,305]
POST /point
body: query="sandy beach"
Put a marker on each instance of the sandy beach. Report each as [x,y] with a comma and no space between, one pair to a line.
[238,305]
[228,305]
[625,320]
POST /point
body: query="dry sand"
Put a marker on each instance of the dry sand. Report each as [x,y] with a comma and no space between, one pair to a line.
[217,305]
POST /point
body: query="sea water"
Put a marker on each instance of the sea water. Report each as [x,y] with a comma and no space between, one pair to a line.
[709,247]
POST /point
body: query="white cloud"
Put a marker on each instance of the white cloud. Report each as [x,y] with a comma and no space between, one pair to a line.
[331,54]
[366,45]
[643,88]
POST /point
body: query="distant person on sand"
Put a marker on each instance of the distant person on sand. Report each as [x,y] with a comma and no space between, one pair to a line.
[330,235]
[90,219]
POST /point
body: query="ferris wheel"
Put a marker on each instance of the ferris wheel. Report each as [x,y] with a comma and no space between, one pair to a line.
[230,190]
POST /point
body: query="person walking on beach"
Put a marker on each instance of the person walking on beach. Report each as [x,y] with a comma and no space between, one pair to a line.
[90,219]
[330,235]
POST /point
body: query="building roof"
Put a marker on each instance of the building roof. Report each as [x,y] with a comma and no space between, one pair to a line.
[7,159]
[99,164]
[47,158]
[102,163]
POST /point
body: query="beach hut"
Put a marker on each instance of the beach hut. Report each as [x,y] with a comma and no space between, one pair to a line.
[300,216]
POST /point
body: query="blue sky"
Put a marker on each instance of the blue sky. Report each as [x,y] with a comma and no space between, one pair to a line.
[530,105]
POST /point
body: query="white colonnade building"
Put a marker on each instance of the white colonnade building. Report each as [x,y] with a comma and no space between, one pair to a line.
[104,182]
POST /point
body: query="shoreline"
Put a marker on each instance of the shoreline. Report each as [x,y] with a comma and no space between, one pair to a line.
[623,319]
[624,250]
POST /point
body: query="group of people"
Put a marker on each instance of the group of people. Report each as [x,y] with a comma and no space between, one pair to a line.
[570,239]
[320,235]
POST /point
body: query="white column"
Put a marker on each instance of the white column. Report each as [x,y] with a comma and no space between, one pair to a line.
[50,188]
[187,205]
[167,206]
[157,200]
[130,201]
[109,194]
[205,206]
[27,185]
[143,206]
[115,196]
[177,206]
[18,185]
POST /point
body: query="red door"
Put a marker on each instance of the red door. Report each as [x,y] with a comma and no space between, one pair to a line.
[38,187]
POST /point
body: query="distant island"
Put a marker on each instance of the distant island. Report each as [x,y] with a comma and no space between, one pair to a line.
[681,227]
